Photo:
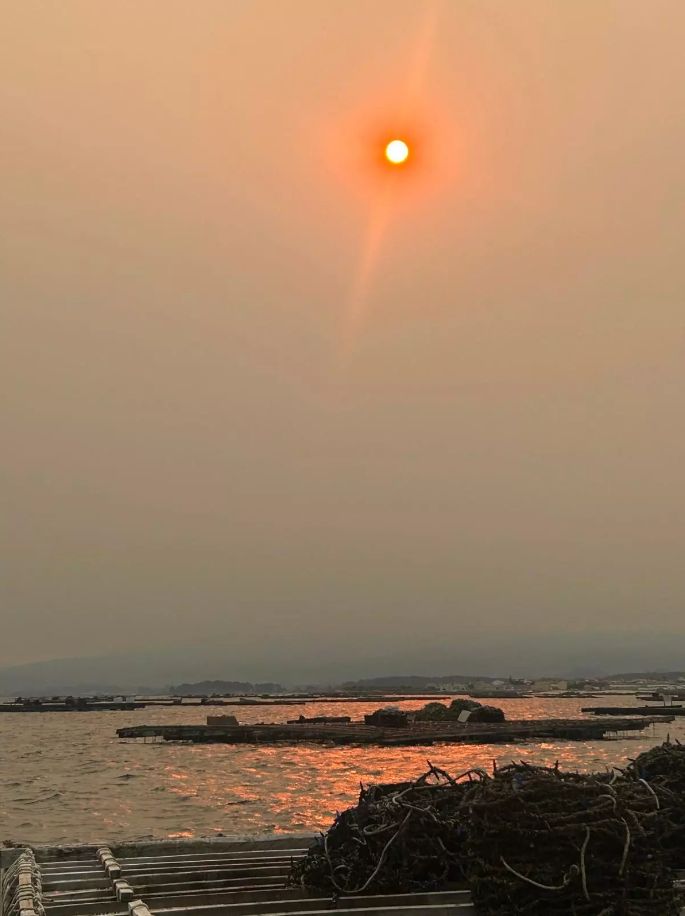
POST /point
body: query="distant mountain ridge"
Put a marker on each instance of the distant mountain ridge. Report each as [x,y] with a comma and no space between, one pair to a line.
[646,675]
[225,688]
[415,680]
[657,656]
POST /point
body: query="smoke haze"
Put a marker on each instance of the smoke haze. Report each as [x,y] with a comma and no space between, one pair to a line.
[258,399]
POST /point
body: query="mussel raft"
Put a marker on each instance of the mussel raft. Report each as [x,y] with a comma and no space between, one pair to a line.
[527,839]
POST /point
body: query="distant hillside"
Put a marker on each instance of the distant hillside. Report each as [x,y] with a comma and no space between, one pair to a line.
[225,688]
[390,680]
[412,682]
[646,675]
[216,667]
[131,672]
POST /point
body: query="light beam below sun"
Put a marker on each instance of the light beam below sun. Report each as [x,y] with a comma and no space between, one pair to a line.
[396,154]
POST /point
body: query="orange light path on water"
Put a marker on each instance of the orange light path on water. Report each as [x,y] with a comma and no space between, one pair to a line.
[393,161]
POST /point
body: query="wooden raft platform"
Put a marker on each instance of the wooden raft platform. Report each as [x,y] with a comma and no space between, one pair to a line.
[670,711]
[71,707]
[424,733]
[100,704]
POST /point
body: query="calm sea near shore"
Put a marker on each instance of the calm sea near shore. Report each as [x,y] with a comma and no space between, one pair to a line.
[65,777]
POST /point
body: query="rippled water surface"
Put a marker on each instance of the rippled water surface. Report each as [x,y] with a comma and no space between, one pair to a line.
[66,777]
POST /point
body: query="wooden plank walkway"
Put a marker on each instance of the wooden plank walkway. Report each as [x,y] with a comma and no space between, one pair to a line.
[423,733]
[199,879]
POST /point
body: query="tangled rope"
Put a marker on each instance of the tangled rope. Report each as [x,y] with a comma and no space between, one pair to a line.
[662,770]
[399,837]
[585,845]
[528,840]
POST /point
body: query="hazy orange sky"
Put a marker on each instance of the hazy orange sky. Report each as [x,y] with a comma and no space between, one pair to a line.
[262,395]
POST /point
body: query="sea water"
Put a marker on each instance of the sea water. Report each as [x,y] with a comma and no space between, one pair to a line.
[66,777]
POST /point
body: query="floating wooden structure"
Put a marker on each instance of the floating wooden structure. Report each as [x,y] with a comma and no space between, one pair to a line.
[214,877]
[423,733]
[87,706]
[316,720]
[299,701]
[671,711]
[100,704]
[289,699]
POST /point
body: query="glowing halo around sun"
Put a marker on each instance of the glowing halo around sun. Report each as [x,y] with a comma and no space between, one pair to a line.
[397,152]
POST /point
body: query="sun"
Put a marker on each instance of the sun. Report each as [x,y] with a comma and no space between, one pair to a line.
[397,152]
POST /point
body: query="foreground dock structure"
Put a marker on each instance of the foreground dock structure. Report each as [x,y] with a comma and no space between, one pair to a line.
[423,733]
[217,877]
[208,877]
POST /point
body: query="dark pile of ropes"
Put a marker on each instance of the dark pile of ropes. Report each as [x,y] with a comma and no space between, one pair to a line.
[663,769]
[526,839]
[547,842]
[400,837]
[439,712]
